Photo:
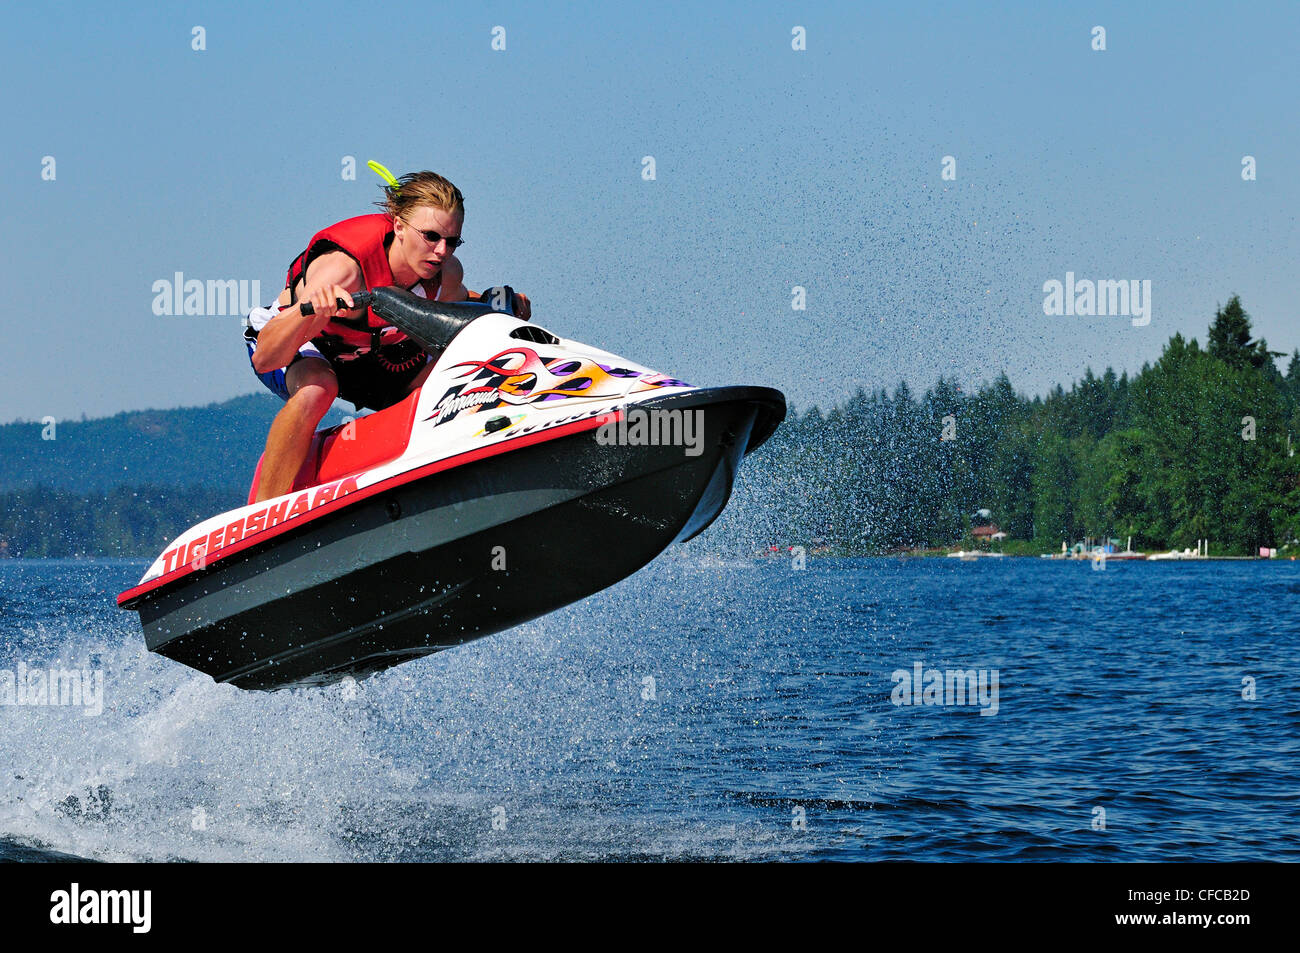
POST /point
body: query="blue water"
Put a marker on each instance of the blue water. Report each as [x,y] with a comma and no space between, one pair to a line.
[1119,690]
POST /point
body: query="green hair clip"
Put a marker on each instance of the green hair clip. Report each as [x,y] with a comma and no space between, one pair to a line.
[384,174]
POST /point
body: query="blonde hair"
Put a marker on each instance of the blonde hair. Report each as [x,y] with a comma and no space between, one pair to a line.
[422,188]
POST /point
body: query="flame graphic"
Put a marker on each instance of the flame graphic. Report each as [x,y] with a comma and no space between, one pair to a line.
[529,378]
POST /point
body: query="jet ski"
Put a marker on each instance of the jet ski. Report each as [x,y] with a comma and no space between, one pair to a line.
[528,472]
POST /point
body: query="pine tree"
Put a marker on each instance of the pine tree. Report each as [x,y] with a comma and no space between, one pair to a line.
[1230,337]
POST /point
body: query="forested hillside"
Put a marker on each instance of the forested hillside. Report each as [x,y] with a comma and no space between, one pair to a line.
[1195,446]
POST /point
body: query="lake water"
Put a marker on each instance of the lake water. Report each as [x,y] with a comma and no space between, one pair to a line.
[702,709]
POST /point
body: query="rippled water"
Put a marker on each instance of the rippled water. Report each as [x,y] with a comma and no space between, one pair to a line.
[770,734]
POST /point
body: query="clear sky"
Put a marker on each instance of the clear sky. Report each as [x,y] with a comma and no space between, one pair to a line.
[774,168]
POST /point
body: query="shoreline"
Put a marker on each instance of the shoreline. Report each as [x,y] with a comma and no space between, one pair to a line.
[967,555]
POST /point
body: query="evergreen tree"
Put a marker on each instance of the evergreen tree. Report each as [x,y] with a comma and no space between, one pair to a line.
[1230,341]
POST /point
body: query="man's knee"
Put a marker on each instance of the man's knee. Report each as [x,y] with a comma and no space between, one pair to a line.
[313,386]
[420,378]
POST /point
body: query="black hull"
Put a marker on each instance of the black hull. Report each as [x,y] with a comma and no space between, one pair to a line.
[419,568]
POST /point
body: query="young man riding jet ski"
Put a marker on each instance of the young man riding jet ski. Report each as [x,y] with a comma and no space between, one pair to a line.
[309,360]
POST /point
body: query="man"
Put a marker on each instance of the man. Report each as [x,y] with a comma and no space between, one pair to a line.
[309,360]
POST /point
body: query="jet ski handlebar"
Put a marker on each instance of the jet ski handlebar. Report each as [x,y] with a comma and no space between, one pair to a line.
[431,324]
[360,300]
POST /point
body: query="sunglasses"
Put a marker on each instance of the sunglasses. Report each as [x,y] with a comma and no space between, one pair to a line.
[432,237]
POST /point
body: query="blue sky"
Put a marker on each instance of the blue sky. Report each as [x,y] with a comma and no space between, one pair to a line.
[775,168]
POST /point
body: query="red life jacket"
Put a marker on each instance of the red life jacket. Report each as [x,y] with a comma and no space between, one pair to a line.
[364,239]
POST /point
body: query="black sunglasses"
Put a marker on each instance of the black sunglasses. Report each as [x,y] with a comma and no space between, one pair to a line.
[432,237]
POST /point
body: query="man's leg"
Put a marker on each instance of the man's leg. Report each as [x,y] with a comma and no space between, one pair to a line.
[420,378]
[312,388]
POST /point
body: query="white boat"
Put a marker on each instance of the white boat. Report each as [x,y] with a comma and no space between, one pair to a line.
[1202,551]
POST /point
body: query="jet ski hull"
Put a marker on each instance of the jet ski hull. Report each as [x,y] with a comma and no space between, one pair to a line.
[422,563]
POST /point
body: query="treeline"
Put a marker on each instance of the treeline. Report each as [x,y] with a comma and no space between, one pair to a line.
[127,521]
[127,485]
[1195,446]
[214,446]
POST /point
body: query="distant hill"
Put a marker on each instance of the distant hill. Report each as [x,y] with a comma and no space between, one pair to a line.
[125,485]
[214,447]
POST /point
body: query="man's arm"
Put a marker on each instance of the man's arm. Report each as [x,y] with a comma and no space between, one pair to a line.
[453,288]
[453,281]
[521,306]
[332,275]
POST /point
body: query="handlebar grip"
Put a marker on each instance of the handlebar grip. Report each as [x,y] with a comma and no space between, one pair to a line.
[360,301]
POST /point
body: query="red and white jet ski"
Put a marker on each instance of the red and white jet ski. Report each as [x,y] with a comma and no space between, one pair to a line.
[527,473]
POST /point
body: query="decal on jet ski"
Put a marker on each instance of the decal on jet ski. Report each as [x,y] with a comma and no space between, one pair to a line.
[522,376]
[200,547]
[450,406]
[603,415]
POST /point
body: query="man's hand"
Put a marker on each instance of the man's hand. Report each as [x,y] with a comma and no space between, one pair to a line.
[324,302]
[501,295]
[328,278]
[523,308]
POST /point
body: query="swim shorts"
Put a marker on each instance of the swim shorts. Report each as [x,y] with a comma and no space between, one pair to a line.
[374,379]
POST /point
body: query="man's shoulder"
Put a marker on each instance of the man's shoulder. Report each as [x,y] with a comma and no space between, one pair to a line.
[333,264]
[375,222]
